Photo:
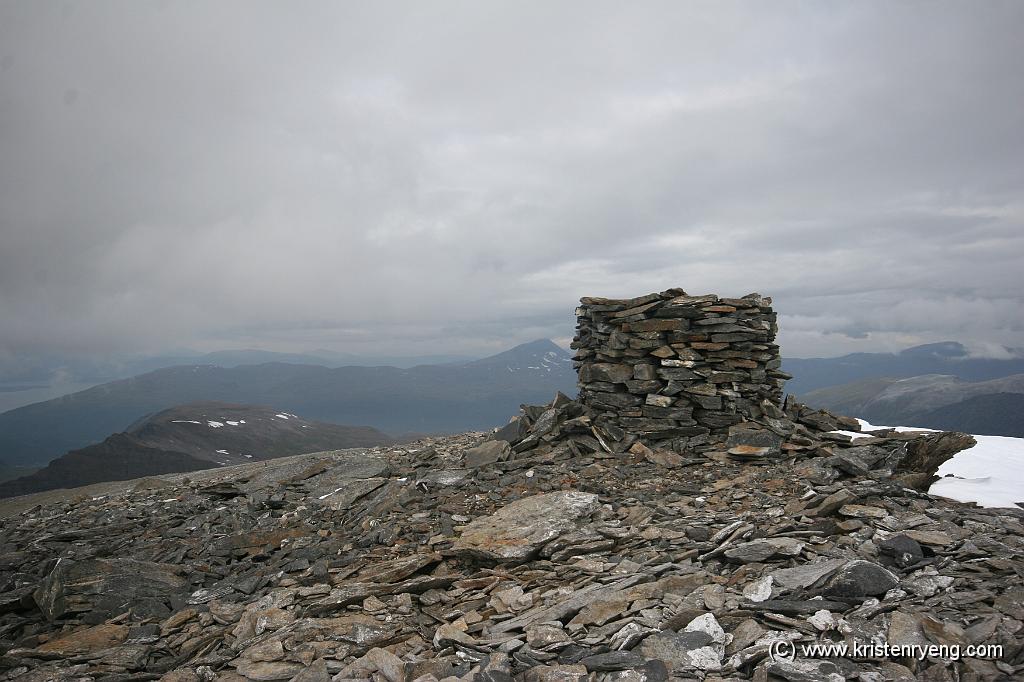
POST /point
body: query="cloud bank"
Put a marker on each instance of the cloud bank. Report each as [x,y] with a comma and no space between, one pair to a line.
[453,176]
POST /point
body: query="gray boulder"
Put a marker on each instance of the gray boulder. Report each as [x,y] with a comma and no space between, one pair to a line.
[861,579]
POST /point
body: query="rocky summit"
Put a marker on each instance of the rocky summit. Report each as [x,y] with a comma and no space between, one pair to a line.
[564,546]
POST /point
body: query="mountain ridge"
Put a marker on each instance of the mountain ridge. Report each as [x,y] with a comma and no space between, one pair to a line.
[946,357]
[447,398]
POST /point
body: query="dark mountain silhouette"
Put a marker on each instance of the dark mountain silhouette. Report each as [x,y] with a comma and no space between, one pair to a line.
[446,398]
[191,437]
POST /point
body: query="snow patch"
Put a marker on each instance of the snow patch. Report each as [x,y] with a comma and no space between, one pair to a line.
[282,416]
[233,423]
[990,473]
[854,435]
[901,429]
[215,425]
[184,421]
[324,497]
[223,452]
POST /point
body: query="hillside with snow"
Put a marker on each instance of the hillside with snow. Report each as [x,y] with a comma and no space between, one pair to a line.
[191,437]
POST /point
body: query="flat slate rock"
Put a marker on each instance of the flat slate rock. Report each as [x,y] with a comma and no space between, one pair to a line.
[518,531]
[107,586]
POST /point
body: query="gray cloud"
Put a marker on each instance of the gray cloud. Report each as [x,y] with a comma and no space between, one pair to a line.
[452,177]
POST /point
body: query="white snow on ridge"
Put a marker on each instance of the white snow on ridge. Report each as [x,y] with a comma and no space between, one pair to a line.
[282,416]
[902,429]
[215,425]
[184,421]
[991,473]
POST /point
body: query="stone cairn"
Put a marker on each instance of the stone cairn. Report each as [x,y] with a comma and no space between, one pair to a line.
[671,366]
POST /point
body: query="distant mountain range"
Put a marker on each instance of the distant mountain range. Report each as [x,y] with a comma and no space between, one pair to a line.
[95,371]
[326,358]
[50,378]
[448,397]
[439,398]
[192,437]
[994,407]
[948,358]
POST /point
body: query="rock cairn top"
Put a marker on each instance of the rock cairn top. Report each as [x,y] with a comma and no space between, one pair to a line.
[671,366]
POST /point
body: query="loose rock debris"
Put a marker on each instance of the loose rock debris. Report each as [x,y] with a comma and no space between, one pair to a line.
[549,551]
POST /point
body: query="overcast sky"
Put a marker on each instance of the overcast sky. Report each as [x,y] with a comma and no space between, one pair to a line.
[450,177]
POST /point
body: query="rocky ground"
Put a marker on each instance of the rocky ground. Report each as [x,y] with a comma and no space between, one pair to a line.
[551,551]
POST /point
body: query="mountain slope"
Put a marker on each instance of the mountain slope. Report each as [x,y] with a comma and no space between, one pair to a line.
[425,399]
[191,437]
[995,414]
[119,457]
[933,400]
[848,398]
[948,358]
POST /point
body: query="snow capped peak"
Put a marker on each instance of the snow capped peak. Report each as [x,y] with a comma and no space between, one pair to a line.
[537,357]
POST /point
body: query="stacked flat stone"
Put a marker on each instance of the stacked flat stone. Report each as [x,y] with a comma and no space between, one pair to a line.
[673,366]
